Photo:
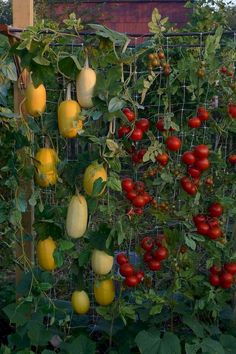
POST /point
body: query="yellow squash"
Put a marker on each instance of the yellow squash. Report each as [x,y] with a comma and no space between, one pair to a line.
[45,163]
[77,216]
[80,302]
[44,250]
[92,173]
[68,116]
[46,179]
[101,262]
[85,83]
[35,102]
[104,292]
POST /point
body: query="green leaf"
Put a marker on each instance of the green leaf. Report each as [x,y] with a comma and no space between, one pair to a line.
[98,187]
[97,239]
[18,313]
[190,242]
[80,345]
[69,66]
[105,32]
[9,71]
[228,342]
[195,325]
[115,104]
[170,344]
[65,245]
[192,348]
[38,334]
[148,342]
[156,309]
[211,346]
[39,59]
[45,286]
[114,182]
[84,257]
[58,256]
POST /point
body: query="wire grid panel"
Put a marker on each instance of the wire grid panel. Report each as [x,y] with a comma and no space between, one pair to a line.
[183,110]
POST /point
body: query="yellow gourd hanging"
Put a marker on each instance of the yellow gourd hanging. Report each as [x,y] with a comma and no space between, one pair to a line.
[68,116]
[85,84]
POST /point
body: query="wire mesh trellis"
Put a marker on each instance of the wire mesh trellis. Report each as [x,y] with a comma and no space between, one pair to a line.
[70,149]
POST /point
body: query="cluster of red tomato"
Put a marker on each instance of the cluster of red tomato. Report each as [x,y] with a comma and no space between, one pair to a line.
[132,278]
[197,162]
[232,110]
[154,255]
[141,126]
[226,71]
[223,277]
[135,192]
[202,115]
[208,225]
[137,155]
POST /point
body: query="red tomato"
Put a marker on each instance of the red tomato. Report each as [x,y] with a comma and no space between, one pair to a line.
[199,218]
[147,243]
[209,181]
[136,135]
[194,122]
[230,268]
[129,114]
[141,153]
[201,151]
[160,239]
[126,269]
[146,197]
[160,125]
[232,159]
[131,149]
[143,124]
[139,186]
[223,70]
[214,279]
[147,257]
[161,253]
[132,281]
[215,210]
[203,228]
[131,195]
[226,280]
[154,265]
[194,172]
[173,143]
[202,164]
[122,131]
[140,275]
[138,211]
[121,258]
[213,222]
[162,158]
[196,181]
[188,158]
[202,114]
[127,184]
[138,201]
[136,158]
[214,233]
[214,269]
[232,110]
[188,186]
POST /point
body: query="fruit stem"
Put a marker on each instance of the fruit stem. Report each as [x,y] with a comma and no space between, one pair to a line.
[68,92]
[86,64]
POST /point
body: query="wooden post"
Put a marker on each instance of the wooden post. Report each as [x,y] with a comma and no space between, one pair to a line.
[23,17]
